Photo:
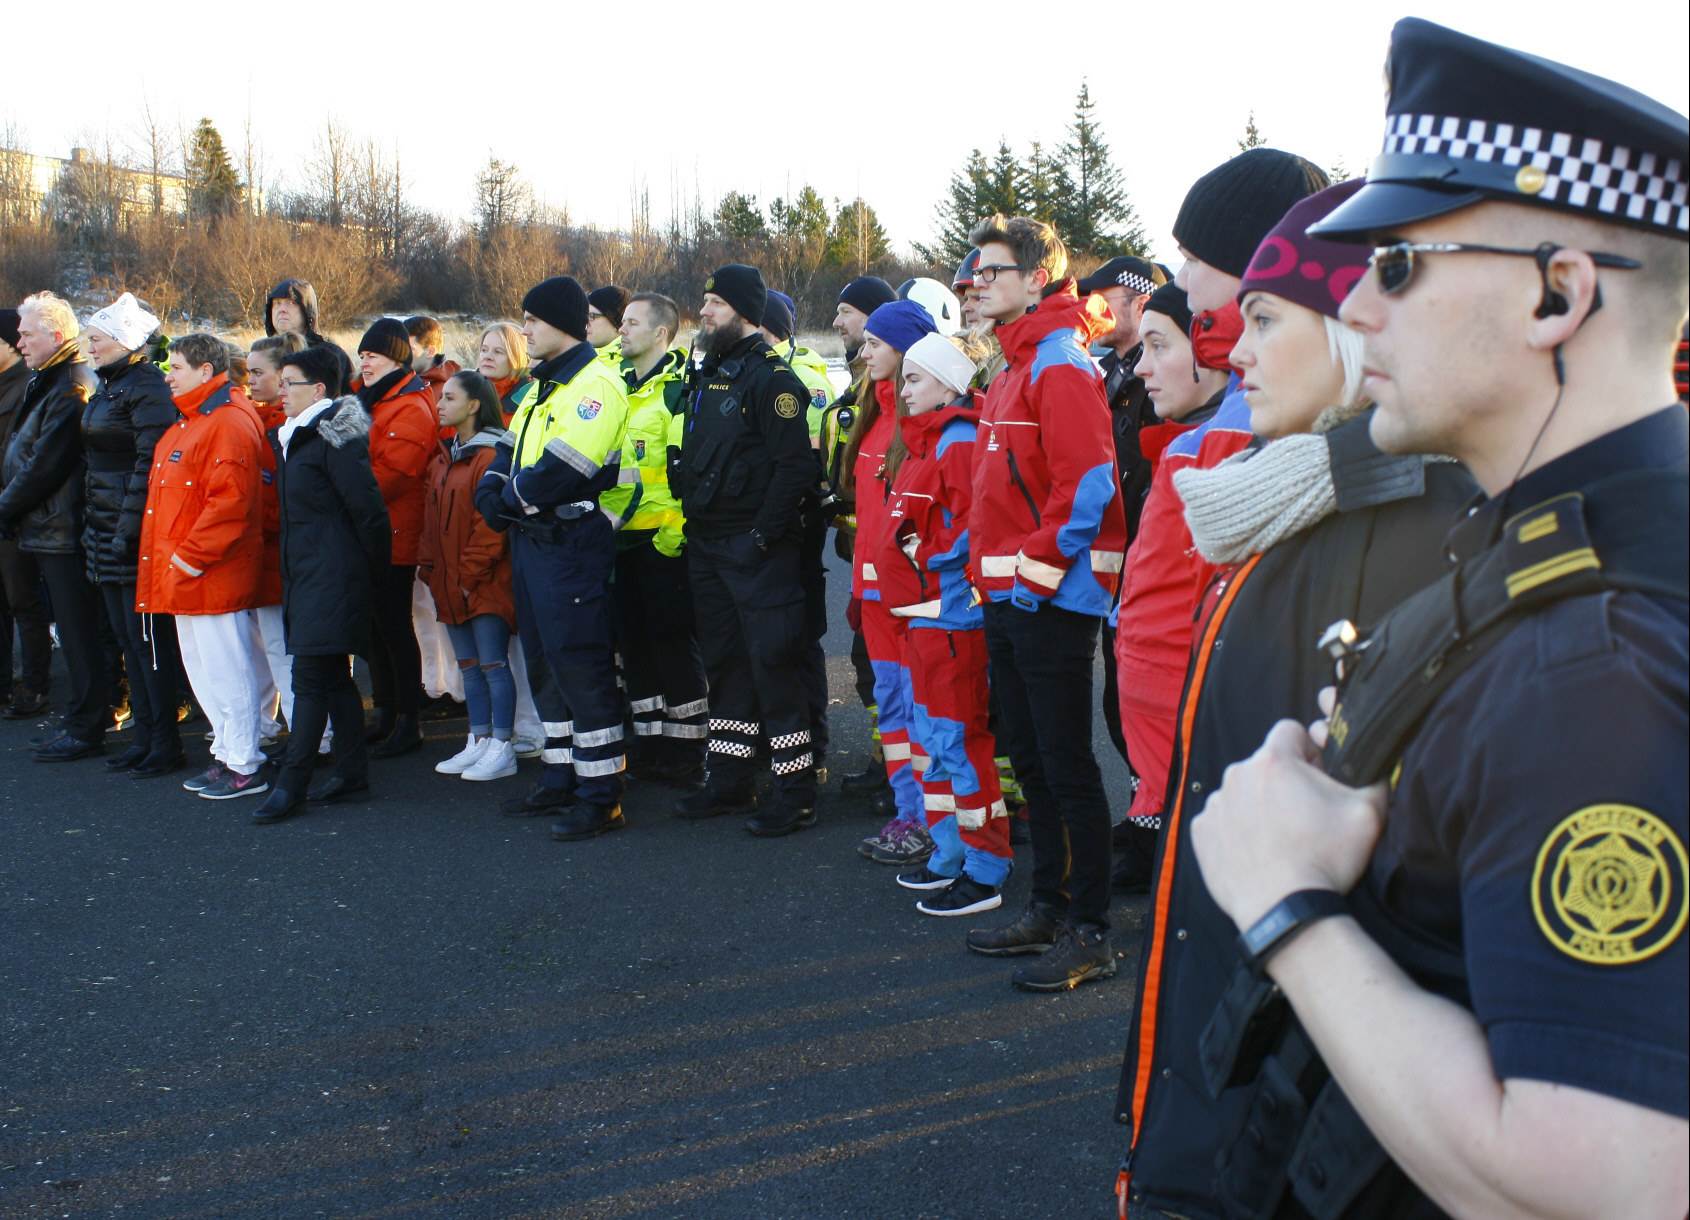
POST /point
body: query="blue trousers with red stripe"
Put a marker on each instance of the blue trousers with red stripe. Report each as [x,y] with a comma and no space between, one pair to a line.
[884,636]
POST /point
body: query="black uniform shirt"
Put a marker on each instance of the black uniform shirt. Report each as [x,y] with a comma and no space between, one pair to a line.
[1533,862]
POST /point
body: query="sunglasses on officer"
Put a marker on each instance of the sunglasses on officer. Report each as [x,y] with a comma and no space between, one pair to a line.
[1395,264]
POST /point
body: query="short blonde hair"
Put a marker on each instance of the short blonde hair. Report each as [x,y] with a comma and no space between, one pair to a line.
[1346,347]
[55,313]
[516,346]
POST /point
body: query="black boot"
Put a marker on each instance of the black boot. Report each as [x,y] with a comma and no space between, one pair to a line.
[1081,952]
[714,800]
[382,729]
[406,736]
[537,802]
[1034,931]
[131,758]
[588,822]
[870,780]
[278,804]
[782,817]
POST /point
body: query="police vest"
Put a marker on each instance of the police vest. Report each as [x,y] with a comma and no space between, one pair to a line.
[724,467]
[1627,532]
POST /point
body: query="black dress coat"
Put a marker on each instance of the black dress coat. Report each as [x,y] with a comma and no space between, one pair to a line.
[41,472]
[334,532]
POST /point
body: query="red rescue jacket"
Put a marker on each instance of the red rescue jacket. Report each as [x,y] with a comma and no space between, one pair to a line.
[872,496]
[923,559]
[404,435]
[1046,524]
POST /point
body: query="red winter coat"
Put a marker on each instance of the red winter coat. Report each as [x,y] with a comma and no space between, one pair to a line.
[1047,524]
[1165,576]
[923,557]
[404,435]
[463,561]
[202,544]
[435,377]
[871,494]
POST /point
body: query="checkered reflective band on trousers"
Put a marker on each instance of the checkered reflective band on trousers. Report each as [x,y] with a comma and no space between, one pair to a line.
[734,738]
[790,752]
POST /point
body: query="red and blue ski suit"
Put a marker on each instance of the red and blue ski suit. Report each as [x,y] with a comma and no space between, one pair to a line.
[882,634]
[923,566]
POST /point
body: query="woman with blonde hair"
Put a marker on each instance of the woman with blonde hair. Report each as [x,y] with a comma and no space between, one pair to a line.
[502,358]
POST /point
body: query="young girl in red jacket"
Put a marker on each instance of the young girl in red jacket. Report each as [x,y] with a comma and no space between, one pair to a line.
[467,567]
[891,330]
[924,583]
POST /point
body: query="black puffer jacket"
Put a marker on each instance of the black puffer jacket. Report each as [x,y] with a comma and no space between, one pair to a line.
[12,383]
[41,472]
[335,532]
[121,424]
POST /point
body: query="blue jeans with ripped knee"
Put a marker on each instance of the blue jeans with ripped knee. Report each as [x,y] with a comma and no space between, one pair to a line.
[481,646]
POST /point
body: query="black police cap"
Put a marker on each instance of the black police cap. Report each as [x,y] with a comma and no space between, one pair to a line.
[1469,121]
[1137,274]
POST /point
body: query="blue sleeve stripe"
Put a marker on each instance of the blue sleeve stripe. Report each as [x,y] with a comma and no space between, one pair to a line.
[958,552]
[1060,349]
[957,432]
[1092,498]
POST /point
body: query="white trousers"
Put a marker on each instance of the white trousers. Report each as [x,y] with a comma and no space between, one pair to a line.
[527,726]
[223,655]
[440,674]
[270,626]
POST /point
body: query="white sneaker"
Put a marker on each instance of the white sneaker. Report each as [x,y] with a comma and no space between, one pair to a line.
[497,761]
[527,748]
[465,758]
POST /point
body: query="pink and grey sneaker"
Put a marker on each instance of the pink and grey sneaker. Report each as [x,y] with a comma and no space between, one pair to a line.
[233,784]
[211,775]
[878,839]
[909,844]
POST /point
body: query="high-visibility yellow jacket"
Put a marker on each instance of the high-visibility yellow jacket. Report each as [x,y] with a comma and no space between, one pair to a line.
[656,420]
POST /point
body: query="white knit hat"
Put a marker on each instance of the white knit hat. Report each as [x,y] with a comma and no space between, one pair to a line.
[125,321]
[939,356]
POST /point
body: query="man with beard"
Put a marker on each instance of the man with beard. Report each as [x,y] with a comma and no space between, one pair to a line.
[742,470]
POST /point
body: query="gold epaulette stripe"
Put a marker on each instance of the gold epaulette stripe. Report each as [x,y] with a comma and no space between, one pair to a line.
[1553,568]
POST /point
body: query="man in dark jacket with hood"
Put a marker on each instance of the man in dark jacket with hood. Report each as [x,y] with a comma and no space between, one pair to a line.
[291,308]
[41,506]
[20,579]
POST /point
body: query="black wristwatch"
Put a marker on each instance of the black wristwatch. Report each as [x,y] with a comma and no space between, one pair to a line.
[1287,917]
[762,542]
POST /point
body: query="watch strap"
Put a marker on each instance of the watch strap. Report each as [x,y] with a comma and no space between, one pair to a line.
[1284,920]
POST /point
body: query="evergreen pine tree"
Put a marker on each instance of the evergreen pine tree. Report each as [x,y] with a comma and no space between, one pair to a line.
[857,240]
[1006,184]
[213,188]
[1253,138]
[1094,216]
[966,201]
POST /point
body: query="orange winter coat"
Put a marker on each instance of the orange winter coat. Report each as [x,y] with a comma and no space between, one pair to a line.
[202,543]
[435,378]
[464,561]
[270,417]
[404,434]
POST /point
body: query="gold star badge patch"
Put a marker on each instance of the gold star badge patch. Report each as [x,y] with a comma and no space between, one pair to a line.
[1609,885]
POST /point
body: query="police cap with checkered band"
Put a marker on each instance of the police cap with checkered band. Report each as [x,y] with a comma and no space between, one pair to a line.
[1468,121]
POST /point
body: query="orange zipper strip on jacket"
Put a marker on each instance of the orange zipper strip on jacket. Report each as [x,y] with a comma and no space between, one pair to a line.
[1165,882]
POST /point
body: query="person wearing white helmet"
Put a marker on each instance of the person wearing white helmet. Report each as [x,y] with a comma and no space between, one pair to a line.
[940,302]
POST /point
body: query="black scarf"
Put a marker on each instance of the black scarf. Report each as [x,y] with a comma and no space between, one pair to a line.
[370,395]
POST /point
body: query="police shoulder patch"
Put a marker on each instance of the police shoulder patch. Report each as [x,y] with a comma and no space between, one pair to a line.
[786,406]
[1609,885]
[589,408]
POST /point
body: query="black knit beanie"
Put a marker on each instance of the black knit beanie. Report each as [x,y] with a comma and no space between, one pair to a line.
[9,320]
[609,300]
[1170,299]
[777,318]
[869,292]
[1232,207]
[561,302]
[743,288]
[387,337]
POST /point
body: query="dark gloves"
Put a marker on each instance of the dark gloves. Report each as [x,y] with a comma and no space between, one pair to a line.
[118,550]
[854,614]
[844,542]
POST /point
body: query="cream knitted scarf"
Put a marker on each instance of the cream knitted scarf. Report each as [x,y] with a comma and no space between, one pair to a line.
[1262,496]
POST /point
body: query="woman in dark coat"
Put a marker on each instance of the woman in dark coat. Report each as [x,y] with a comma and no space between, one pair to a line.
[120,425]
[1310,528]
[334,534]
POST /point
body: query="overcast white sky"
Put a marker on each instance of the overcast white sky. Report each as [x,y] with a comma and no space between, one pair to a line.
[882,98]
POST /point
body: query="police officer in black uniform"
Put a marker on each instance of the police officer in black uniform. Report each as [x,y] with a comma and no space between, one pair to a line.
[743,470]
[1463,967]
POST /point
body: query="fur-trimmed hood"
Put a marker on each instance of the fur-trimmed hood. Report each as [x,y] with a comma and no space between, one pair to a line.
[336,422]
[346,421]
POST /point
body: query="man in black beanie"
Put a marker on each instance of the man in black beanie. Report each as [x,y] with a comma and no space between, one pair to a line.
[743,473]
[861,297]
[1226,214]
[562,453]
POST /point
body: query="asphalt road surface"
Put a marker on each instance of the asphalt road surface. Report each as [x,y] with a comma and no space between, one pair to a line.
[412,1007]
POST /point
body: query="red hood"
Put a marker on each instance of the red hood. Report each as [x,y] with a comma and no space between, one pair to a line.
[1214,334]
[920,432]
[1061,310]
[1154,439]
[193,398]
